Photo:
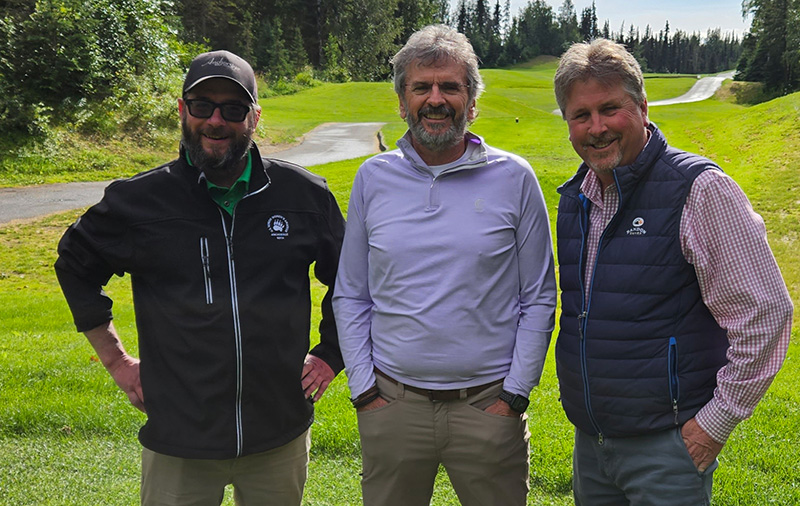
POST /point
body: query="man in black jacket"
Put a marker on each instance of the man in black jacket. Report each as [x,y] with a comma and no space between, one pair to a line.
[218,244]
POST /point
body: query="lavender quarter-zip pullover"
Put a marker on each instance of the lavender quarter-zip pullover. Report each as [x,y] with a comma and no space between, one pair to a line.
[448,281]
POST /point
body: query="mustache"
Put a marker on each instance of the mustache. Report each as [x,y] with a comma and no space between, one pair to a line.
[603,139]
[219,131]
[439,109]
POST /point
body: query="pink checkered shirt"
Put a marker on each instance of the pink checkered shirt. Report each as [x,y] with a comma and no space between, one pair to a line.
[741,284]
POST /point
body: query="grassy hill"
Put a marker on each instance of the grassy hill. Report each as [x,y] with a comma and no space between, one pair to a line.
[68,436]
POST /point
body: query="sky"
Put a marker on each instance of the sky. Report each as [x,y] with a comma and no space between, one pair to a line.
[685,15]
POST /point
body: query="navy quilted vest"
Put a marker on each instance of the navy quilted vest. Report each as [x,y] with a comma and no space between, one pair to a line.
[642,353]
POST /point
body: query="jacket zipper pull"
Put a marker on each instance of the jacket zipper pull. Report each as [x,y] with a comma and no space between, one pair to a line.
[675,410]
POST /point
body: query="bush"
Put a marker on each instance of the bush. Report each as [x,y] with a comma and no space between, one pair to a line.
[72,61]
[751,93]
[283,86]
[140,110]
[306,78]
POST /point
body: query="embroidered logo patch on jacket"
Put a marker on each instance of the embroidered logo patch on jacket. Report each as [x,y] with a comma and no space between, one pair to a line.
[278,226]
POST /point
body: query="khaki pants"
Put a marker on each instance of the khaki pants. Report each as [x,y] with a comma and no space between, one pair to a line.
[272,478]
[403,443]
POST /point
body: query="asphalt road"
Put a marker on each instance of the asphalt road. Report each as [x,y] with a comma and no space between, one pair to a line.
[327,143]
[704,88]
[331,142]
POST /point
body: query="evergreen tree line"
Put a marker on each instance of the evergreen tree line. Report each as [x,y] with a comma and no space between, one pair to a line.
[771,50]
[538,29]
[60,58]
[340,39]
[354,39]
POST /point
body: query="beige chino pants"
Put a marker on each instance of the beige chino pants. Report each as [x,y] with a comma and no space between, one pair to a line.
[486,456]
[272,478]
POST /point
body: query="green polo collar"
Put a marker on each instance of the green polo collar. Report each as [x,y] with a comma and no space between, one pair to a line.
[227,198]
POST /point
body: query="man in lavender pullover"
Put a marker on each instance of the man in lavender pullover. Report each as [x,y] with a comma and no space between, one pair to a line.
[445,295]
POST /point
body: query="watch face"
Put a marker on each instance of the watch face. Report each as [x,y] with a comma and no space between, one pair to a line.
[517,402]
[520,404]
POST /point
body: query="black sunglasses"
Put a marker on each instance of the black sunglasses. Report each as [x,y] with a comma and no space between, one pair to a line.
[203,109]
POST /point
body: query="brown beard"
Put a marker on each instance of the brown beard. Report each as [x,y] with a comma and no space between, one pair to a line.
[210,164]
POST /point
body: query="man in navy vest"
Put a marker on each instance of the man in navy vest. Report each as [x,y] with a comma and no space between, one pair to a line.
[675,318]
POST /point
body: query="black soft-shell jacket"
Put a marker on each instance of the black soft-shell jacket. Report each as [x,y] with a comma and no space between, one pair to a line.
[222,303]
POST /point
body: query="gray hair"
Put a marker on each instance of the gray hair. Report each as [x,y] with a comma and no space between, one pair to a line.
[436,43]
[603,60]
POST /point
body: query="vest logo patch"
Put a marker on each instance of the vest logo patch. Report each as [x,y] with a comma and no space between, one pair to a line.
[278,227]
[638,224]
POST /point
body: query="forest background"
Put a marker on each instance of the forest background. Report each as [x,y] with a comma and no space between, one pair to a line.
[110,68]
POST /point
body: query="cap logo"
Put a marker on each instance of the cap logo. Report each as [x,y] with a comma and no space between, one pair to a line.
[219,62]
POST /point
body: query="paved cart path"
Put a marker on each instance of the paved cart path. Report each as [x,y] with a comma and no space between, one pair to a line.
[703,89]
[331,142]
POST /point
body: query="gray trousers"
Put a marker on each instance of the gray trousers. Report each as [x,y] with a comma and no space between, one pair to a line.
[650,470]
[403,443]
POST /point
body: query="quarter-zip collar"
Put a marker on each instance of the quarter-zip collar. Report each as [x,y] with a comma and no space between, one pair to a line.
[474,156]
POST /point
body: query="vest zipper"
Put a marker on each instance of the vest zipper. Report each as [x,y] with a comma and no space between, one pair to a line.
[583,319]
[585,207]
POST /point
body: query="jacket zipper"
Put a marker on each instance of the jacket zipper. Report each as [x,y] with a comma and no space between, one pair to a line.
[672,361]
[237,330]
[237,327]
[204,257]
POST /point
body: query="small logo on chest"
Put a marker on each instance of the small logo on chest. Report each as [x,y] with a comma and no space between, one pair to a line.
[638,227]
[278,227]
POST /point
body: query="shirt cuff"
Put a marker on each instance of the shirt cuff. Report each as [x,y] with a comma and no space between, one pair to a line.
[716,422]
[360,379]
[528,361]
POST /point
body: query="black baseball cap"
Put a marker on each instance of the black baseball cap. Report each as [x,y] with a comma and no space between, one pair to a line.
[221,64]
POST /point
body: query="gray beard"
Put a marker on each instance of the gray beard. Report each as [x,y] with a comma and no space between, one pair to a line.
[442,139]
[608,166]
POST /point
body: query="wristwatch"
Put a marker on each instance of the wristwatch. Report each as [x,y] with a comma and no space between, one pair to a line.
[517,402]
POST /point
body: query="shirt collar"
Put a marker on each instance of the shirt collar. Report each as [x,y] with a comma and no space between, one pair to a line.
[244,178]
[474,156]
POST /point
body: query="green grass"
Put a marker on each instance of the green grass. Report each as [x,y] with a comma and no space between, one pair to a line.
[68,436]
